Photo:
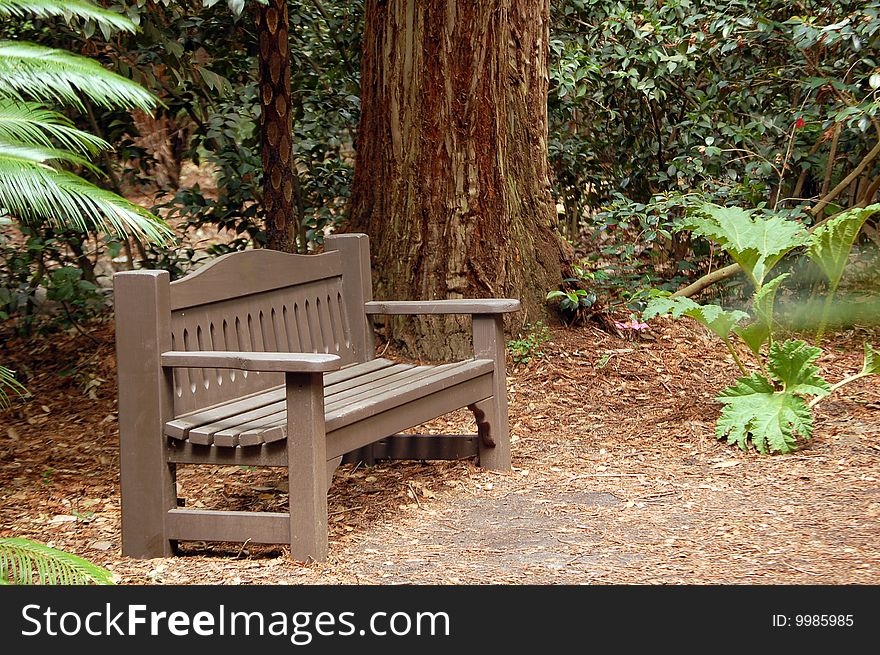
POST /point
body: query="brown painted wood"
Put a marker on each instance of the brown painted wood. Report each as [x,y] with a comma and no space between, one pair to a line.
[424,447]
[186,452]
[307,466]
[251,272]
[208,525]
[488,339]
[254,426]
[343,414]
[179,428]
[371,377]
[263,361]
[231,366]
[352,405]
[355,370]
[374,426]
[242,426]
[225,432]
[463,306]
[292,319]
[357,288]
[247,439]
[397,447]
[406,374]
[273,455]
[147,480]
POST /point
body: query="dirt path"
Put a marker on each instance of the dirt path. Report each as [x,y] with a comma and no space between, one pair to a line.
[617,480]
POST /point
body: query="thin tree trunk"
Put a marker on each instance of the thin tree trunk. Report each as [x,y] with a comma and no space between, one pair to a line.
[280,182]
[452,176]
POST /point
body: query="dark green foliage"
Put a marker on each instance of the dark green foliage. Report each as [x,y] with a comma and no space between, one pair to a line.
[654,106]
[199,58]
[49,277]
[659,105]
[212,85]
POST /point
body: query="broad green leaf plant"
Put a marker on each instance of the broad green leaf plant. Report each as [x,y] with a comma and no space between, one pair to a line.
[41,150]
[769,408]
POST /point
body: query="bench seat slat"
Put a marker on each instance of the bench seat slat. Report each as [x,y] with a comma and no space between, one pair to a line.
[360,396]
[356,370]
[181,426]
[229,425]
[372,403]
[246,428]
[251,429]
[275,429]
[369,386]
[371,376]
[450,375]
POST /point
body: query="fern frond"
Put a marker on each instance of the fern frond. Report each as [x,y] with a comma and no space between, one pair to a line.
[41,155]
[66,9]
[26,562]
[28,70]
[8,381]
[34,191]
[33,124]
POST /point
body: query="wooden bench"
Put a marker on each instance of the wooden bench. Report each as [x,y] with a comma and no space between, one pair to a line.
[262,358]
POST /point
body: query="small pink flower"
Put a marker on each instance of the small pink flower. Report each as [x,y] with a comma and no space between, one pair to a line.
[631,325]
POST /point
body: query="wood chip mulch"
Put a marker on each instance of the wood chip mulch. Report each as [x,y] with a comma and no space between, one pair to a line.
[617,479]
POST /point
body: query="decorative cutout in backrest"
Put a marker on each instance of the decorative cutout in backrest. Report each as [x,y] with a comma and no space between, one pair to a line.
[255,301]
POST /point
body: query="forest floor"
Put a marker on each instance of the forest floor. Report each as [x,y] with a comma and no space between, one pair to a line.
[617,479]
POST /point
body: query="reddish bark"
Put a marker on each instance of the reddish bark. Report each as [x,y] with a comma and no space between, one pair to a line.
[452,178]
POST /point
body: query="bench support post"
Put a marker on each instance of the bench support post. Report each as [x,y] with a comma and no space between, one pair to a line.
[307,466]
[357,286]
[147,480]
[491,414]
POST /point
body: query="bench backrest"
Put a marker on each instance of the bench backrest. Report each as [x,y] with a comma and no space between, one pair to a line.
[266,301]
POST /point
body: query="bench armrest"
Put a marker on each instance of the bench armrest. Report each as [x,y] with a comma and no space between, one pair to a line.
[456,306]
[253,361]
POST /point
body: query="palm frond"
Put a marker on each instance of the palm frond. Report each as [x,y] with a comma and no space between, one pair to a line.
[66,9]
[28,70]
[41,154]
[8,381]
[26,562]
[32,123]
[34,191]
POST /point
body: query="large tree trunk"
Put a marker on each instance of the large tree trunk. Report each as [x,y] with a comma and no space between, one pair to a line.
[451,177]
[281,193]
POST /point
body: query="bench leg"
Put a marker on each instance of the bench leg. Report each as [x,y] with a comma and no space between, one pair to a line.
[146,479]
[147,492]
[491,414]
[307,466]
